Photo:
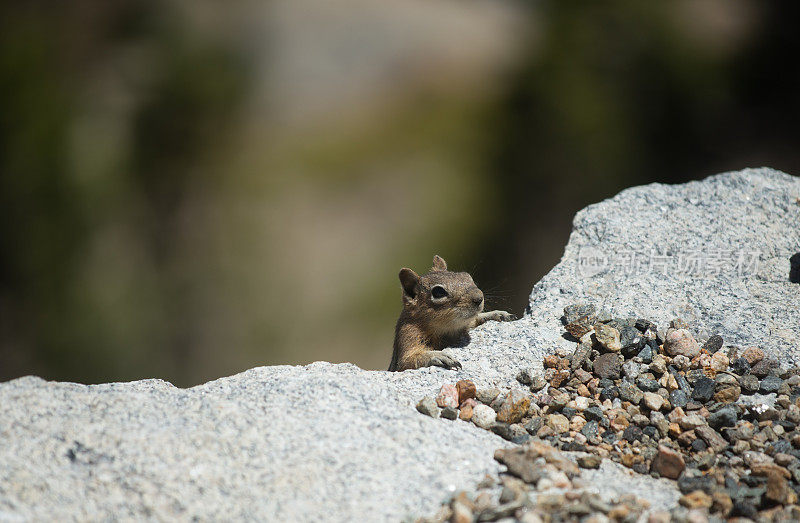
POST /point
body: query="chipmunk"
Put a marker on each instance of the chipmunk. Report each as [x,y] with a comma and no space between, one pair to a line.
[439,308]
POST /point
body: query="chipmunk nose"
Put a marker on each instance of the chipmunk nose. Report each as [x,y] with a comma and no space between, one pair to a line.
[477,298]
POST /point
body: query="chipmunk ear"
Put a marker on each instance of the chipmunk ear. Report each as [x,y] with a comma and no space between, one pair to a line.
[439,264]
[409,280]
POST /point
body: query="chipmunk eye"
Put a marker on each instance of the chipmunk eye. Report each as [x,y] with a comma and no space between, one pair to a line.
[438,292]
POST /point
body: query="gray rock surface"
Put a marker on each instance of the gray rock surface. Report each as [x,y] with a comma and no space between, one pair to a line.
[334,442]
[320,442]
[665,251]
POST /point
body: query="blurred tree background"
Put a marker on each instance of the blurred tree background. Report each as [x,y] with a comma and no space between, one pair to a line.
[190,190]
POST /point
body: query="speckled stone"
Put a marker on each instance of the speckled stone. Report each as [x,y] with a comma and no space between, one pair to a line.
[448,396]
[668,463]
[703,389]
[750,383]
[765,367]
[450,413]
[427,406]
[740,366]
[607,366]
[630,392]
[653,401]
[681,342]
[558,422]
[753,355]
[576,311]
[607,337]
[589,461]
[719,361]
[487,396]
[770,384]
[580,356]
[483,416]
[514,407]
[714,343]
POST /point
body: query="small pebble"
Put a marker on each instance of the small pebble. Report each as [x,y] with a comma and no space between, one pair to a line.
[770,384]
[724,417]
[466,408]
[449,413]
[658,365]
[740,366]
[574,312]
[466,390]
[558,422]
[630,392]
[703,389]
[713,344]
[678,398]
[681,342]
[719,361]
[514,433]
[632,433]
[653,401]
[765,367]
[647,384]
[593,414]
[681,362]
[525,376]
[427,406]
[483,416]
[750,383]
[646,355]
[631,370]
[607,366]
[696,499]
[607,337]
[448,396]
[727,393]
[514,407]
[538,383]
[691,422]
[487,396]
[581,403]
[753,355]
[580,356]
[590,461]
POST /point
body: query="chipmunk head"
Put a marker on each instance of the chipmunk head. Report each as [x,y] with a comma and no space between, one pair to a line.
[446,300]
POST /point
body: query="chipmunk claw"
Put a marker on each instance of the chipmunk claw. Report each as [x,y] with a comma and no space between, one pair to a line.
[445,361]
[500,316]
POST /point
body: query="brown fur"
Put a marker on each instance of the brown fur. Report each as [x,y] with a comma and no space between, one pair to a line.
[429,323]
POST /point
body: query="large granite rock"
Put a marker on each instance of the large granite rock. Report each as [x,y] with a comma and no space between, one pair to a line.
[282,443]
[717,253]
[334,442]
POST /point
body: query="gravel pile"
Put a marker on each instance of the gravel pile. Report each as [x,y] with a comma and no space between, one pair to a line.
[543,484]
[720,420]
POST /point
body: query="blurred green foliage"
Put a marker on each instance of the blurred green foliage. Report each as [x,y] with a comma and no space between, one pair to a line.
[190,190]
